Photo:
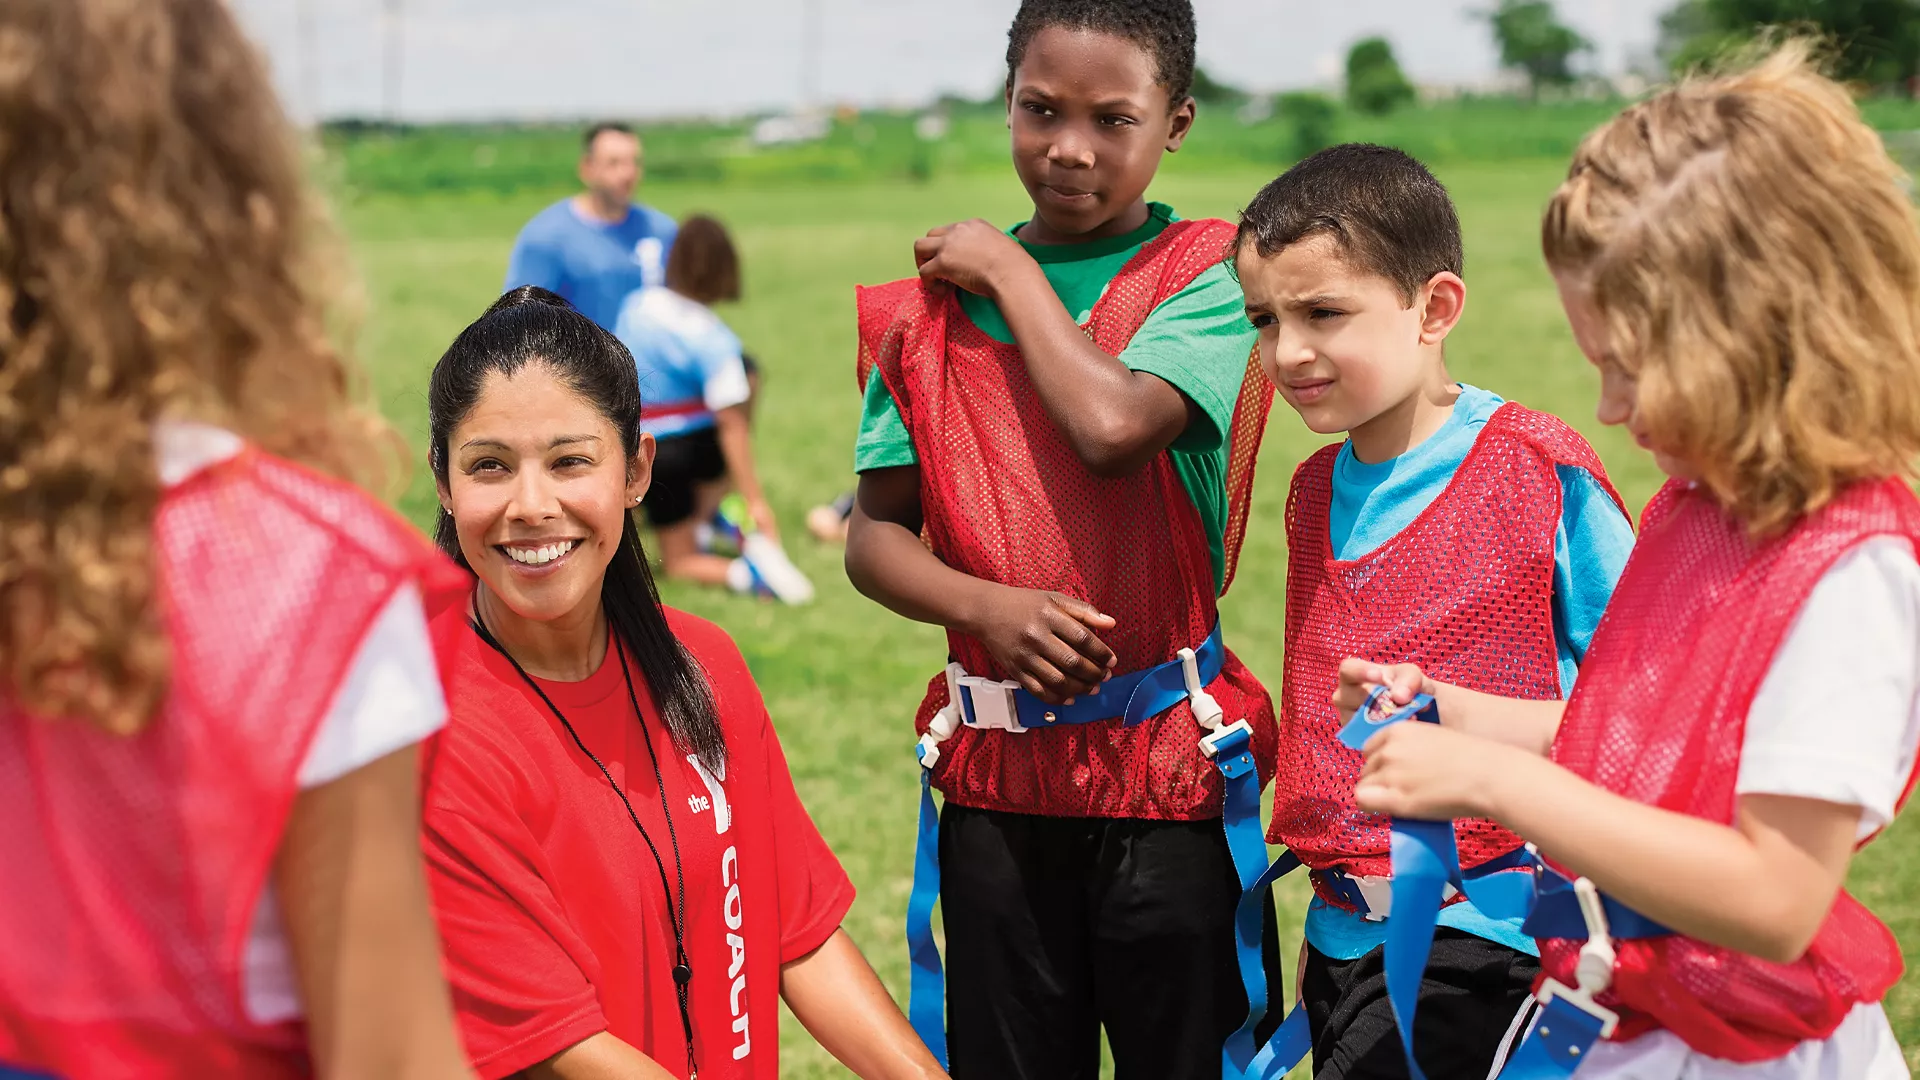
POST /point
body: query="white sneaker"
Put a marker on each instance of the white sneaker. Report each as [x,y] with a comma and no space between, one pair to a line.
[774,571]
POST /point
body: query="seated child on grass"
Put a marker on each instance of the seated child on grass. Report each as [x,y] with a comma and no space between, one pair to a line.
[699,390]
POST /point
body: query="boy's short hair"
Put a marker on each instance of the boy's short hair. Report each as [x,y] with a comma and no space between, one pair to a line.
[599,129]
[1384,208]
[1164,28]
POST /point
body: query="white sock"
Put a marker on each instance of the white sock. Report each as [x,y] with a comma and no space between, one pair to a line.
[740,576]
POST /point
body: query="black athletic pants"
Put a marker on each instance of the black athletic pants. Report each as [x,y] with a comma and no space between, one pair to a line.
[1472,990]
[1057,927]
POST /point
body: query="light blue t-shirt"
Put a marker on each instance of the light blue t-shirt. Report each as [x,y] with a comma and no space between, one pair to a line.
[689,361]
[1370,504]
[591,263]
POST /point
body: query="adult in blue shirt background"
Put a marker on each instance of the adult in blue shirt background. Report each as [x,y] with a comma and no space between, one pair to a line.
[596,247]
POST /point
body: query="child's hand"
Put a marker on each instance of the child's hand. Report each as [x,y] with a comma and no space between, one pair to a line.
[762,515]
[971,254]
[1046,642]
[1424,771]
[1359,677]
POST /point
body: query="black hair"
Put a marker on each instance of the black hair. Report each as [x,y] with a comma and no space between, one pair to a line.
[703,264]
[1384,208]
[530,325]
[599,129]
[1164,28]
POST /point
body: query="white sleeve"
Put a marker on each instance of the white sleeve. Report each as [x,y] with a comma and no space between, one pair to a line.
[726,385]
[1837,716]
[391,697]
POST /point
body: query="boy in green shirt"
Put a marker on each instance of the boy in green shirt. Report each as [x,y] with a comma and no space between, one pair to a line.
[1054,460]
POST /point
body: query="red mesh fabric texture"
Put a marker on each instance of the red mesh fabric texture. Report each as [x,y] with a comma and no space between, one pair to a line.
[1243,448]
[1005,499]
[1464,591]
[134,864]
[1659,716]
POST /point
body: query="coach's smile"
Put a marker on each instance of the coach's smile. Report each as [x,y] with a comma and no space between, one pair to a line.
[538,557]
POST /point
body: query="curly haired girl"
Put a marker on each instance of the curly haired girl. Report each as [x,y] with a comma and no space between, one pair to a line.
[214,662]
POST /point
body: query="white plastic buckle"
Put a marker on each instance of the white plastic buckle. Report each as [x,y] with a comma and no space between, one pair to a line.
[993,705]
[1377,891]
[1594,970]
[1579,999]
[1206,711]
[945,722]
[930,746]
[1210,744]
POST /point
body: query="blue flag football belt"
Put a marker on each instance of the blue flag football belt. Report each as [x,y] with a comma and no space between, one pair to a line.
[1135,697]
[1426,864]
[1426,871]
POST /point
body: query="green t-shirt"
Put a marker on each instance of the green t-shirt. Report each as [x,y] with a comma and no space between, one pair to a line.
[1197,340]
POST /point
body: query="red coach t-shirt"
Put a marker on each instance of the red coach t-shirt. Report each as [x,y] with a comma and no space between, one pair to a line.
[550,907]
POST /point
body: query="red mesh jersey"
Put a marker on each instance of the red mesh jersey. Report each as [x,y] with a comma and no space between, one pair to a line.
[134,864]
[1659,716]
[1005,499]
[1464,591]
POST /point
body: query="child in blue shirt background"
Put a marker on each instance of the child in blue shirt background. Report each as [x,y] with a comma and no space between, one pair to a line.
[698,388]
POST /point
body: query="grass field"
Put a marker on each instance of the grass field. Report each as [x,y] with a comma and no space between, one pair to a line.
[842,677]
[882,145]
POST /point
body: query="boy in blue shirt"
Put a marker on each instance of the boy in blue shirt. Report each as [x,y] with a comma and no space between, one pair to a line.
[596,247]
[1452,529]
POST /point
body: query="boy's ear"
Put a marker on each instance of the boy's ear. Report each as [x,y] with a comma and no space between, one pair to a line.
[1182,123]
[1444,299]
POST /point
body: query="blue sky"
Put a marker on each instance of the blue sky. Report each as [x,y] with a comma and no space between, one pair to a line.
[483,59]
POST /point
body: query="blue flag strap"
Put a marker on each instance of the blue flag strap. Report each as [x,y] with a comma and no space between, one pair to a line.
[1242,1058]
[1289,1046]
[1136,697]
[927,990]
[1561,1036]
[1426,862]
[1373,715]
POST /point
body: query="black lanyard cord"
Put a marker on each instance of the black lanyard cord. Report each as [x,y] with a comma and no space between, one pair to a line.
[682,971]
[676,911]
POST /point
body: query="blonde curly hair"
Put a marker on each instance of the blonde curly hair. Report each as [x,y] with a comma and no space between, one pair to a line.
[1753,252]
[159,258]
